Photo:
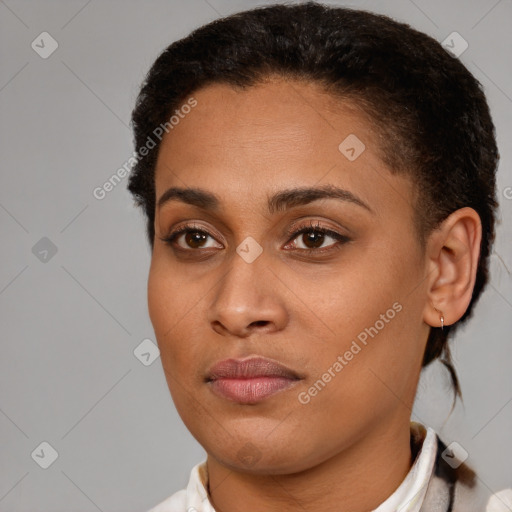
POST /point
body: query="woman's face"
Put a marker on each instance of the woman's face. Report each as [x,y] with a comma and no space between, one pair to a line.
[342,311]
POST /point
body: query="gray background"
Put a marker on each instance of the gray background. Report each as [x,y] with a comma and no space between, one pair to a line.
[71,322]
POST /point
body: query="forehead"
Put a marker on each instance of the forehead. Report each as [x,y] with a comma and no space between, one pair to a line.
[247,143]
[275,118]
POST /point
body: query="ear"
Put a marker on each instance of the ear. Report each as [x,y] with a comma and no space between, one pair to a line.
[452,250]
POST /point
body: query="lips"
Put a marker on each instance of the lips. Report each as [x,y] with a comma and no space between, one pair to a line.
[249,381]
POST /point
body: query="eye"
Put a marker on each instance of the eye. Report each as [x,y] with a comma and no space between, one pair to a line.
[193,236]
[316,237]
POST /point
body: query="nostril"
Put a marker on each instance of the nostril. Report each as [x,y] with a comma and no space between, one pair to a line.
[260,323]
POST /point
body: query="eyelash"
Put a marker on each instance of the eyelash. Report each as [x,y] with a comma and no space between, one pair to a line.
[341,239]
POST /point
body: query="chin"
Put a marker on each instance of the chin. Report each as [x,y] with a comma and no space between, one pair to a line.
[258,455]
[276,464]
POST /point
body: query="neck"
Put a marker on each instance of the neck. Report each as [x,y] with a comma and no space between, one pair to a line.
[357,479]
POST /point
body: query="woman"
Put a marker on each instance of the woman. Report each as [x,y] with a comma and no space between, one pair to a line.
[319,191]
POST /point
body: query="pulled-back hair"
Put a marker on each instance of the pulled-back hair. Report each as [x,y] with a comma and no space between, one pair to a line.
[429,111]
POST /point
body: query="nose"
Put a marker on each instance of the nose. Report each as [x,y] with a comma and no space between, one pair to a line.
[248,299]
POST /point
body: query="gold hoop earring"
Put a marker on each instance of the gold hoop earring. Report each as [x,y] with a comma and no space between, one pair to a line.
[441,316]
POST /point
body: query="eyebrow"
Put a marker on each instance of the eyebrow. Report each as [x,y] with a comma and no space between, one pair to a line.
[280,201]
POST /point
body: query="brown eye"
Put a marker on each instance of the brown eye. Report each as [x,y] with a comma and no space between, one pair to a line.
[195,239]
[313,239]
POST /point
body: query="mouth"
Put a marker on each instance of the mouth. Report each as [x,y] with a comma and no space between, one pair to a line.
[249,381]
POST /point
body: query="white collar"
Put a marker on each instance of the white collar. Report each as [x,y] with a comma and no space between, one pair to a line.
[410,494]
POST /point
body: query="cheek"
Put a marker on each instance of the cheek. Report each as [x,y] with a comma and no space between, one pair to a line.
[171,294]
[365,375]
[169,310]
[373,309]
[161,300]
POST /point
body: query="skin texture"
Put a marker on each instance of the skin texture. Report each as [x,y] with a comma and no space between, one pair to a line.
[348,448]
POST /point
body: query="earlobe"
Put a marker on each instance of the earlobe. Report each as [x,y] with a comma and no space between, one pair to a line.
[453,251]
